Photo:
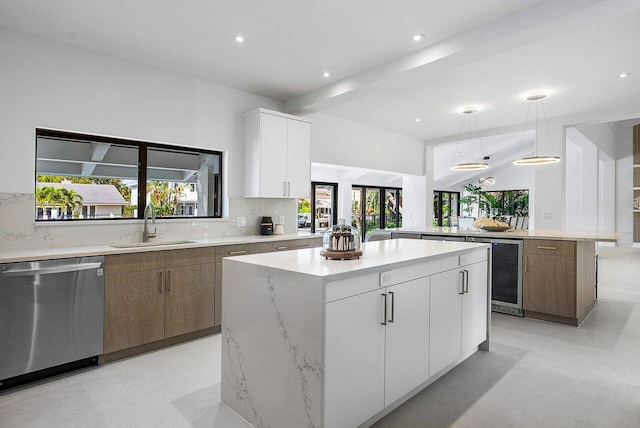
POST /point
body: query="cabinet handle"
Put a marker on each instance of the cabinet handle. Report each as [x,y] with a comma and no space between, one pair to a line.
[466,281]
[168,280]
[282,248]
[235,253]
[540,247]
[284,190]
[461,282]
[526,262]
[161,282]
[393,305]
[384,296]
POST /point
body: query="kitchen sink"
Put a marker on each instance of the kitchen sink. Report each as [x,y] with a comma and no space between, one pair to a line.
[149,244]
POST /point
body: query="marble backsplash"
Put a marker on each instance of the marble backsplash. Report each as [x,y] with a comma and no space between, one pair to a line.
[20,231]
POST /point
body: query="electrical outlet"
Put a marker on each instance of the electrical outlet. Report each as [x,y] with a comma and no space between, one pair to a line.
[546,215]
[241,222]
[386,278]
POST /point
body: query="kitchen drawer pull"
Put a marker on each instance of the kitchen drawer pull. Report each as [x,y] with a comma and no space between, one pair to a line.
[384,296]
[168,281]
[284,247]
[393,305]
[161,281]
[235,253]
[541,247]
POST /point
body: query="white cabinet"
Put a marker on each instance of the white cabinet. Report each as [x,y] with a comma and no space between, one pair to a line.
[277,154]
[407,338]
[376,350]
[458,315]
[354,359]
[474,307]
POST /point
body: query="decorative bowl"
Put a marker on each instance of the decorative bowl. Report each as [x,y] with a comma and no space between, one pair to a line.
[496,228]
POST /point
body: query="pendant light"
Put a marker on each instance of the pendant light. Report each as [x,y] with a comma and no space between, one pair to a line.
[468,166]
[486,182]
[536,159]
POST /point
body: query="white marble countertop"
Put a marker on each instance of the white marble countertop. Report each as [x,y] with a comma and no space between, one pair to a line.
[10,256]
[565,235]
[377,256]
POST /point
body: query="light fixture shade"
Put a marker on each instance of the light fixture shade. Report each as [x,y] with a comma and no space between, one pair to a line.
[469,166]
[537,160]
[486,182]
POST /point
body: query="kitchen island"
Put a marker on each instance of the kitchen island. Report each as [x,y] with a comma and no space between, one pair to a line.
[556,269]
[310,342]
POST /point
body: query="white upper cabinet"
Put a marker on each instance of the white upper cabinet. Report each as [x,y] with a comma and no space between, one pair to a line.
[277,153]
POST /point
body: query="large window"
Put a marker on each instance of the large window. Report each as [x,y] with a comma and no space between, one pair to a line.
[445,206]
[375,208]
[505,203]
[80,176]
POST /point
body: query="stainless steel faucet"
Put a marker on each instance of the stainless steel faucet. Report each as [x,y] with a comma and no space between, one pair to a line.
[145,230]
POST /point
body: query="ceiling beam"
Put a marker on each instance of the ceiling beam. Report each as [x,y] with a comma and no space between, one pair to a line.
[539,21]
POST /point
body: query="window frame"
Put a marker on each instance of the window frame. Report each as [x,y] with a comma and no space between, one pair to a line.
[383,205]
[142,148]
[334,202]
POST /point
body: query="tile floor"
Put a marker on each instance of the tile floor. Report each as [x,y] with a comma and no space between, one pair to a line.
[536,375]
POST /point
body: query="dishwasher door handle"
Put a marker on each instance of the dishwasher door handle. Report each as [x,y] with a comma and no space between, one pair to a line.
[51,270]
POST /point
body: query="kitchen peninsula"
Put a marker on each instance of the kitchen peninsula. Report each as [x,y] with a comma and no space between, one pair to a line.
[330,343]
[557,268]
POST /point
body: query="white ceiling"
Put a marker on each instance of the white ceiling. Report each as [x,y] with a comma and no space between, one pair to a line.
[486,53]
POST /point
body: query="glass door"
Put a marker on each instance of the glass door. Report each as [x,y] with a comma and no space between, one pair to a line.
[445,206]
[324,206]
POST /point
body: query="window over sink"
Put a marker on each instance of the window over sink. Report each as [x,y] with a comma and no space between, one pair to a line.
[82,176]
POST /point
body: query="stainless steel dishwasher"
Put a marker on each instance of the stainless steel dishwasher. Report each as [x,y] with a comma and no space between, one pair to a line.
[51,314]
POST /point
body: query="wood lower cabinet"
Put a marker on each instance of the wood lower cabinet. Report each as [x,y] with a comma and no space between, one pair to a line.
[189,299]
[559,280]
[157,295]
[134,309]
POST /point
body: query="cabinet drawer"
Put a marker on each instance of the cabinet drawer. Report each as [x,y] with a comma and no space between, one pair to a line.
[133,262]
[267,247]
[234,250]
[310,242]
[549,247]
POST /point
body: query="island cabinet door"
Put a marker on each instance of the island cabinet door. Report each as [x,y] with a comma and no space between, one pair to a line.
[407,347]
[445,319]
[354,359]
[474,307]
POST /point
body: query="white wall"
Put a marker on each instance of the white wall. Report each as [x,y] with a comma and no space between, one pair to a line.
[602,135]
[46,84]
[339,141]
[52,85]
[624,183]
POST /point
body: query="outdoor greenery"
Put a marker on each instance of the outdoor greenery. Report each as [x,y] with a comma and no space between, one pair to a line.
[68,200]
[506,202]
[472,197]
[163,197]
[304,206]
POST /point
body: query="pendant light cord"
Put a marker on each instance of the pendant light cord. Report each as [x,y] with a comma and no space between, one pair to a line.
[524,130]
[455,155]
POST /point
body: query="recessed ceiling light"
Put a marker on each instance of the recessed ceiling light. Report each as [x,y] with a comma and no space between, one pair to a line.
[239,38]
[623,75]
[417,119]
[326,74]
[418,37]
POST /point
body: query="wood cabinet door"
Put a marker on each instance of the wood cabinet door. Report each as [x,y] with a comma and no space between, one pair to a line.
[299,159]
[407,338]
[134,309]
[550,285]
[273,156]
[445,320]
[354,359]
[189,303]
[474,307]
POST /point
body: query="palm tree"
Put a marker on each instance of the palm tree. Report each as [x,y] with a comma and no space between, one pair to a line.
[45,197]
[68,199]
